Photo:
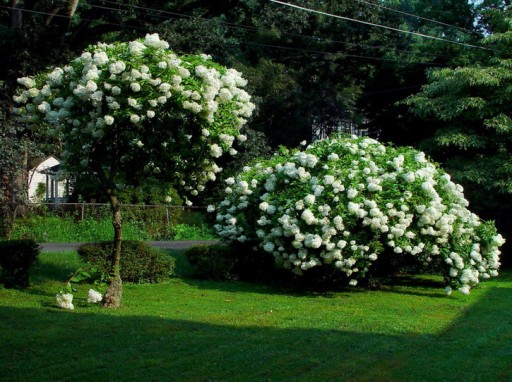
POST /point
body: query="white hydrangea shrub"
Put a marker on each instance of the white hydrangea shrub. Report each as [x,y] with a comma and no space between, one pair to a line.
[139,102]
[342,201]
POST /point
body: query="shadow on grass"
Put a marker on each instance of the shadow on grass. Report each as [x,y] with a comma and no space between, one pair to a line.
[410,285]
[55,266]
[50,345]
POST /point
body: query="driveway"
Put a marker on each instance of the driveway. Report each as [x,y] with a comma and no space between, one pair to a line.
[58,247]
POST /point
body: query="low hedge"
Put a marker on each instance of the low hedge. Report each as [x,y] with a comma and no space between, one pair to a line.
[212,261]
[140,263]
[17,257]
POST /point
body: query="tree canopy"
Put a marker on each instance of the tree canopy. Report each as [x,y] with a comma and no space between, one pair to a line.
[471,105]
[133,112]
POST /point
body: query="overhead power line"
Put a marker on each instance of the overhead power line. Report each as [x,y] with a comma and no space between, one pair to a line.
[377,25]
[333,53]
[63,16]
[251,28]
[242,42]
[375,5]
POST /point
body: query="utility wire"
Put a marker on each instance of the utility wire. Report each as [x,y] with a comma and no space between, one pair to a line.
[375,5]
[252,28]
[242,43]
[65,16]
[377,25]
[333,53]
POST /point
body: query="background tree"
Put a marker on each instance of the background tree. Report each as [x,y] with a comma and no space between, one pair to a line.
[12,174]
[409,57]
[133,112]
[308,73]
[474,142]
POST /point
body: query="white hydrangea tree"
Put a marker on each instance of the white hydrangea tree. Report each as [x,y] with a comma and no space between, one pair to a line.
[341,202]
[133,111]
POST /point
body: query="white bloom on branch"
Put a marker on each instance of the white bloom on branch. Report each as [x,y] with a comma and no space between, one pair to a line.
[227,139]
[308,217]
[263,206]
[153,40]
[117,67]
[100,58]
[27,82]
[269,247]
[133,102]
[194,107]
[352,193]
[215,150]
[328,179]
[114,105]
[44,107]
[312,241]
[310,199]
[136,48]
[109,120]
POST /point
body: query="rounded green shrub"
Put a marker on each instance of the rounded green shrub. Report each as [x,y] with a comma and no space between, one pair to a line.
[344,202]
[17,257]
[140,263]
[215,261]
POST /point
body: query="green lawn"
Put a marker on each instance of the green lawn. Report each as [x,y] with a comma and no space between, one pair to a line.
[190,330]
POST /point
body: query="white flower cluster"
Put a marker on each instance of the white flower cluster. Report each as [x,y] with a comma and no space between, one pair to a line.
[342,201]
[65,301]
[134,90]
[94,297]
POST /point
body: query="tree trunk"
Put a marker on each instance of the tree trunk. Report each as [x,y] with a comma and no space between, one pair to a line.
[114,293]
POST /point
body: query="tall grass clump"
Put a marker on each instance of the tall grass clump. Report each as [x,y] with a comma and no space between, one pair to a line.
[67,229]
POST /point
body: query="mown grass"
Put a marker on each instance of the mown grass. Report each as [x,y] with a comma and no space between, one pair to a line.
[190,330]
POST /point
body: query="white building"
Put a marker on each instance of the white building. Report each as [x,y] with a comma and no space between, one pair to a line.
[45,182]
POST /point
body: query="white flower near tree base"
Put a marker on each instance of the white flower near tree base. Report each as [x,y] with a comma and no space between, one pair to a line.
[360,198]
[65,301]
[94,296]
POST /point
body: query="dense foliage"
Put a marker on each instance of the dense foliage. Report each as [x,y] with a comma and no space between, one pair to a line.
[140,263]
[17,257]
[212,261]
[342,202]
[11,175]
[471,105]
[313,69]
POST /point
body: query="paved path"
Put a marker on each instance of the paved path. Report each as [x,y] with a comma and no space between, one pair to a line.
[57,247]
